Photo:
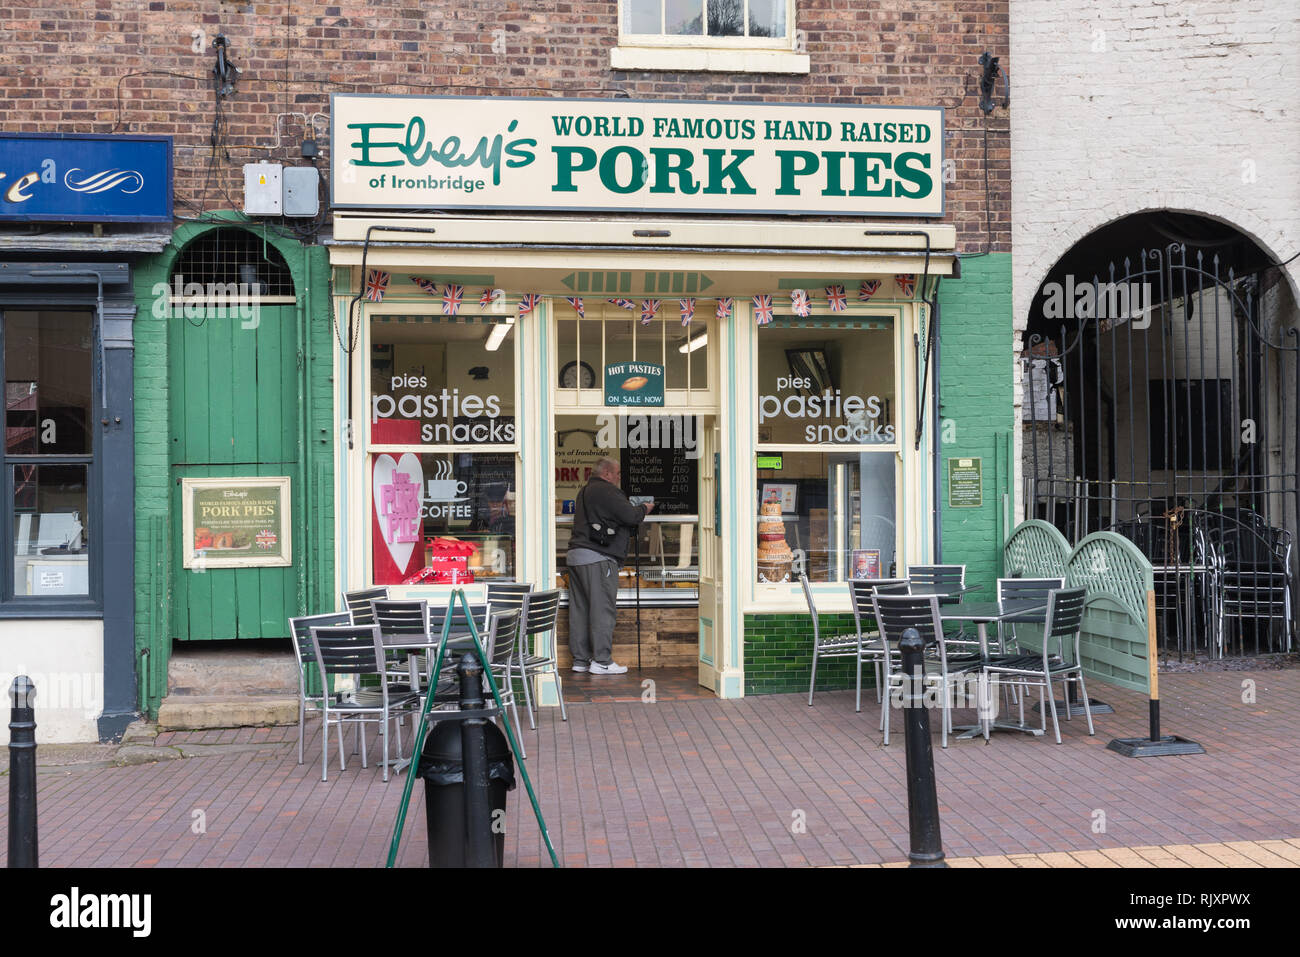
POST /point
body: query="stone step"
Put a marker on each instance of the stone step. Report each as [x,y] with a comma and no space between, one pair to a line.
[190,712]
[229,669]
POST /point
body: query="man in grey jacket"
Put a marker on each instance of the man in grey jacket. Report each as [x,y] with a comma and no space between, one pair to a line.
[603,519]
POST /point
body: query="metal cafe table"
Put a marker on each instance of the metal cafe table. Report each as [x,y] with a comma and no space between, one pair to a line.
[982,613]
[458,640]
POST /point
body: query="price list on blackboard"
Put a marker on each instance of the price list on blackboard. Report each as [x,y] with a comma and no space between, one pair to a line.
[668,475]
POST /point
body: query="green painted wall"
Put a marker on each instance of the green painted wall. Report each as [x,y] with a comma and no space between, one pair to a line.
[976,366]
[976,369]
[309,266]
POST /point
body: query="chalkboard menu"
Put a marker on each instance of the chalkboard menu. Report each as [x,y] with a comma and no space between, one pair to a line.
[667,475]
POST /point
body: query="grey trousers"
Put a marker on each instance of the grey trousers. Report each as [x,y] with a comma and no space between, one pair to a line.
[593,608]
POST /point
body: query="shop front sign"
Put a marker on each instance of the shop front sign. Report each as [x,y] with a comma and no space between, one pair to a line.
[236,522]
[502,152]
[73,177]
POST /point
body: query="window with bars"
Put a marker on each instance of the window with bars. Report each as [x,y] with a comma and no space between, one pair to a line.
[231,264]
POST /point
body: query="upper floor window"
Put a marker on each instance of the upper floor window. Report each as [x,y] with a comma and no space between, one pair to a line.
[727,36]
[766,20]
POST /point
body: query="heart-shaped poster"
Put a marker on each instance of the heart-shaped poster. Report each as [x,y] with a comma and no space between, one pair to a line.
[398,490]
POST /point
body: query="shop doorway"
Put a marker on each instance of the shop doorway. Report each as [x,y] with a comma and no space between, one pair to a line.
[660,582]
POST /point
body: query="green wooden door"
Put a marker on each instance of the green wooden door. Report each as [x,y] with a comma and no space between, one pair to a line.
[234,411]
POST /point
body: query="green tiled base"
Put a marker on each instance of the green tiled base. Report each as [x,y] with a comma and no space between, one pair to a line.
[778,655]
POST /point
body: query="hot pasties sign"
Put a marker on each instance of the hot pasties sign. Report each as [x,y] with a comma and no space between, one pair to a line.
[630,155]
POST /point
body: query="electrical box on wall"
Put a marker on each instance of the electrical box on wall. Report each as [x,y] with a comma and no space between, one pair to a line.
[274,190]
[263,189]
[301,191]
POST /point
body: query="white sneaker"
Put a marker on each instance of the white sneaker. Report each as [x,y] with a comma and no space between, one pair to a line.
[578,667]
[613,668]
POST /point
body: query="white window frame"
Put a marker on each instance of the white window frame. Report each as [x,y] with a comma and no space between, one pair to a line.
[671,52]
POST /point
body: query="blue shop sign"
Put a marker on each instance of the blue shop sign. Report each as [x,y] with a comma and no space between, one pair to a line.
[74,177]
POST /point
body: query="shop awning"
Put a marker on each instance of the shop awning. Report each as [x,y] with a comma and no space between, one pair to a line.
[565,256]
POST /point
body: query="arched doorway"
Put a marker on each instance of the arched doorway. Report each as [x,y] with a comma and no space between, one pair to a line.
[234,401]
[1159,365]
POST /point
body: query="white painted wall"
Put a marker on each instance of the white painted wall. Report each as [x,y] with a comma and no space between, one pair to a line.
[1122,106]
[65,659]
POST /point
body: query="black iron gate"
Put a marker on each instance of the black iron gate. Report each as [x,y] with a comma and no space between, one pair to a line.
[1160,403]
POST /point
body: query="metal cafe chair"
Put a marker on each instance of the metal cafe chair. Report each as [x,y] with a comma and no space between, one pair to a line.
[300,631]
[505,595]
[1056,662]
[501,643]
[357,604]
[832,646]
[870,647]
[357,650]
[537,617]
[1024,593]
[941,673]
[401,618]
[948,582]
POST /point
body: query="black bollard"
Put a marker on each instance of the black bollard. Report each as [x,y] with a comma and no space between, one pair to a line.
[479,848]
[22,773]
[922,798]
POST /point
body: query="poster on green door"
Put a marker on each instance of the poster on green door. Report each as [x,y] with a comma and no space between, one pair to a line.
[236,522]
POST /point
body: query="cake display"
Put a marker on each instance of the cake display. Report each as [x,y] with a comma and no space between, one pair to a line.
[774,556]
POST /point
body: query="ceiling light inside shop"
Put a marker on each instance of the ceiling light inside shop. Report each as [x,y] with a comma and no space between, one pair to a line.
[497,336]
[697,343]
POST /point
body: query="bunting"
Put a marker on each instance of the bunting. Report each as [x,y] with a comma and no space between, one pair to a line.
[906,284]
[576,303]
[528,302]
[868,289]
[688,310]
[376,285]
[451,297]
[487,297]
[622,303]
[430,287]
[763,309]
[800,303]
[723,311]
[837,299]
[649,309]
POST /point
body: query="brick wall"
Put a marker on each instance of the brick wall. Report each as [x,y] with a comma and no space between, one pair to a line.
[126,66]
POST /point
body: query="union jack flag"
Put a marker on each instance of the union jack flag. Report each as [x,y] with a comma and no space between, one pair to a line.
[576,303]
[724,308]
[688,310]
[836,297]
[622,303]
[528,302]
[649,307]
[486,298]
[266,538]
[763,308]
[430,287]
[868,289]
[376,285]
[906,284]
[451,299]
[800,302]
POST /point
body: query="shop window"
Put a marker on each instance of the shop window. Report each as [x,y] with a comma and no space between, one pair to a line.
[49,452]
[826,464]
[443,462]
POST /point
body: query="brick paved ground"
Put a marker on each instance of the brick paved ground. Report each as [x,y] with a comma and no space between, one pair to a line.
[707,782]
